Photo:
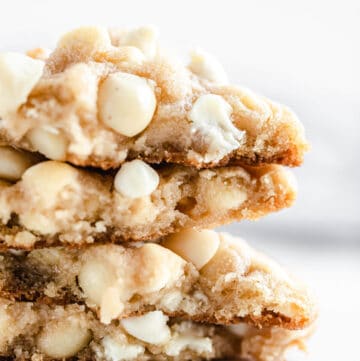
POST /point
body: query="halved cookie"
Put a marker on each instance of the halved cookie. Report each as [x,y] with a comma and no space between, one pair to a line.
[56,203]
[32,331]
[198,275]
[103,98]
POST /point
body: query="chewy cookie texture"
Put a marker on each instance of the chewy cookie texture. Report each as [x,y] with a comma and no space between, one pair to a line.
[102,98]
[42,332]
[56,203]
[200,275]
[115,160]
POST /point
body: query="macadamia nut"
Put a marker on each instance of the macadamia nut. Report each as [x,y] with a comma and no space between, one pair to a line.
[49,142]
[13,163]
[65,338]
[197,247]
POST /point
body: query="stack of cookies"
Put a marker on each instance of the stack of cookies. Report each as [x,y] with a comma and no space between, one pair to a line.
[116,161]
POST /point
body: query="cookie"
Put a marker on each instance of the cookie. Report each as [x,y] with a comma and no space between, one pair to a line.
[102,98]
[56,203]
[198,275]
[32,331]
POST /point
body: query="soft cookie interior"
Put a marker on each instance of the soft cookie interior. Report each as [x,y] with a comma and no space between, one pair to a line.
[103,98]
[53,202]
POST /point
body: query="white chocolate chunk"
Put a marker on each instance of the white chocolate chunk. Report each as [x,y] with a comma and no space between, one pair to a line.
[49,142]
[171,301]
[211,117]
[151,327]
[136,179]
[109,282]
[13,163]
[47,179]
[86,39]
[111,306]
[61,339]
[197,247]
[115,351]
[18,75]
[200,345]
[132,55]
[144,38]
[208,67]
[126,103]
[95,278]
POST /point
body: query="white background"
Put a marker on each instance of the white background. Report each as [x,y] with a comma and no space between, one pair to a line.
[302,53]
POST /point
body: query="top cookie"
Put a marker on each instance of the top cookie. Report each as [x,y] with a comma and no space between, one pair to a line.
[103,97]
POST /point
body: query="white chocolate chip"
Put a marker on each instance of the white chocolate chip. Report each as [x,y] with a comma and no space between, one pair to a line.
[144,38]
[109,281]
[132,55]
[200,345]
[95,277]
[111,306]
[51,143]
[13,163]
[98,280]
[207,67]
[61,339]
[156,262]
[197,247]
[211,117]
[151,327]
[18,75]
[136,179]
[115,351]
[126,103]
[86,39]
[171,301]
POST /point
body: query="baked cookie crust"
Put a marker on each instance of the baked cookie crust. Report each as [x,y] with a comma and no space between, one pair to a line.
[107,97]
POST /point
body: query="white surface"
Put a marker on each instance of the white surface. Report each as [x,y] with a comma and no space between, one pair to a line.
[302,53]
